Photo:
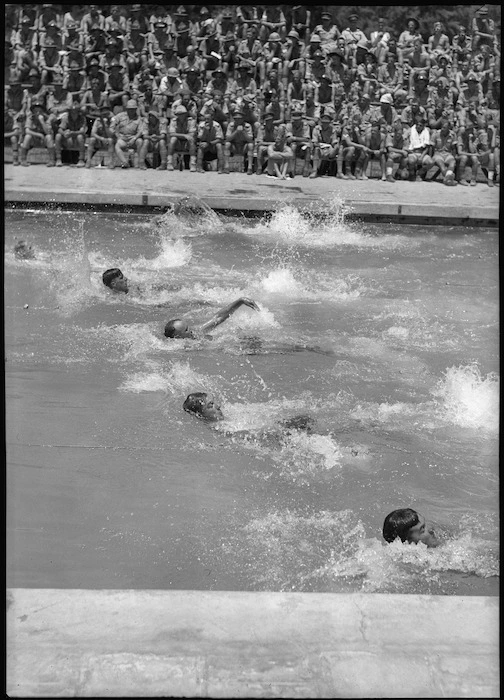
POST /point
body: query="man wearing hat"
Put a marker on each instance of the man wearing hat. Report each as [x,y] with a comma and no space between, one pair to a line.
[74,80]
[228,53]
[115,19]
[483,29]
[410,112]
[191,61]
[246,16]
[93,16]
[48,14]
[182,137]
[461,44]
[127,127]
[137,15]
[239,141]
[170,87]
[407,38]
[298,18]
[395,152]
[193,86]
[94,98]
[244,84]
[118,85]
[209,50]
[266,135]
[101,137]
[210,138]
[388,114]
[159,39]
[72,133]
[37,132]
[94,70]
[299,140]
[420,88]
[182,30]
[327,30]
[419,161]
[218,82]
[367,74]
[49,61]
[356,41]
[51,31]
[326,142]
[292,56]
[444,142]
[315,69]
[250,52]
[379,41]
[154,136]
[35,91]
[374,140]
[59,101]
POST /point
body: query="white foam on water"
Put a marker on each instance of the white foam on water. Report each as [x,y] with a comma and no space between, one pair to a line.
[297,284]
[468,398]
[178,379]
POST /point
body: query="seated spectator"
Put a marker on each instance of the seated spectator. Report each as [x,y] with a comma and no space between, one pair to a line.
[418,161]
[170,88]
[135,48]
[379,40]
[154,135]
[210,138]
[72,133]
[327,30]
[191,61]
[483,30]
[471,93]
[410,112]
[367,74]
[438,42]
[271,101]
[484,144]
[72,18]
[388,114]
[419,61]
[93,17]
[407,38]
[219,108]
[116,18]
[444,144]
[185,99]
[239,140]
[273,84]
[272,20]
[466,154]
[356,41]
[182,29]
[296,88]
[93,70]
[117,86]
[14,131]
[461,45]
[244,84]
[315,68]
[181,137]
[72,39]
[420,88]
[292,57]
[324,91]
[395,152]
[160,14]
[308,54]
[193,85]
[374,141]
[74,80]
[266,135]
[127,127]
[326,141]
[298,18]
[299,140]
[353,148]
[51,31]
[219,82]
[137,16]
[280,155]
[272,50]
[338,70]
[49,61]
[34,92]
[94,99]
[113,52]
[101,137]
[59,100]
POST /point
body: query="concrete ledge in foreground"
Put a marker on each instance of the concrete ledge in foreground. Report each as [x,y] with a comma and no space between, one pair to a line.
[64,643]
[369,199]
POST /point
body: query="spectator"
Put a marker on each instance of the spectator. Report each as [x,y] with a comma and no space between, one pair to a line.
[14,131]
[94,99]
[34,92]
[353,152]
[324,92]
[246,17]
[461,45]
[182,31]
[49,61]
[272,50]
[484,144]
[438,42]
[292,57]
[419,161]
[379,40]
[218,82]
[395,151]
[137,20]
[326,141]
[466,154]
[280,155]
[367,74]
[101,137]
[444,145]
[250,52]
[210,138]
[209,49]
[327,31]
[116,19]
[298,18]
[266,135]
[239,141]
[296,88]
[228,54]
[135,47]
[72,19]
[299,140]
[181,137]
[272,20]
[191,61]
[117,86]
[483,29]
[315,68]
[74,80]
[91,18]
[72,134]
[407,38]
[94,70]
[160,15]
[127,127]
[38,132]
[59,100]
[420,88]
[48,14]
[338,70]
[153,141]
[356,41]
[374,141]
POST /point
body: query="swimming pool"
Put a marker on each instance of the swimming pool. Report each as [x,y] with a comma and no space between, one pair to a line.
[387,335]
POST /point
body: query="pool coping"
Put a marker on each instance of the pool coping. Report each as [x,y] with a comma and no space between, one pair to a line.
[250,644]
[135,190]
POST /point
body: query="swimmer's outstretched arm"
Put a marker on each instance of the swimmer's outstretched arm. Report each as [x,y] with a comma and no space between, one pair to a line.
[226,312]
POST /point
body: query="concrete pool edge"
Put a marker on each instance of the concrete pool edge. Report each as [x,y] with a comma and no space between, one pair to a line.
[370,200]
[246,644]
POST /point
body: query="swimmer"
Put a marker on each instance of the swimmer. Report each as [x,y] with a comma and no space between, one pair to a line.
[409,526]
[177,328]
[201,406]
[115,280]
[23,251]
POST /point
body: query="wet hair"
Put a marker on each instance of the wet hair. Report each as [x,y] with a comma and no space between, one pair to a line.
[300,422]
[194,403]
[399,523]
[109,275]
[170,330]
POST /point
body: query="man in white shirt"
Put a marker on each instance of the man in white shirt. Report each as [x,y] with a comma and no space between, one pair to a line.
[418,149]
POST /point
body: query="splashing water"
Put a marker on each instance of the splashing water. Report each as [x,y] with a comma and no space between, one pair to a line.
[469,399]
[180,379]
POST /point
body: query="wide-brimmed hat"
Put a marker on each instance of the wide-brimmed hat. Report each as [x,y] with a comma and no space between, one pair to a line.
[180,109]
[131,104]
[326,14]
[482,11]
[422,76]
[181,11]
[172,72]
[387,98]
[472,76]
[274,36]
[160,24]
[293,34]
[218,71]
[315,39]
[353,16]
[413,19]
[328,113]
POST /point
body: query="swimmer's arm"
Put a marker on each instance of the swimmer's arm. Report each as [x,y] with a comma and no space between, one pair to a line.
[226,312]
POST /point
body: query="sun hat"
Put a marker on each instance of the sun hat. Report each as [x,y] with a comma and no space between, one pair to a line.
[315,39]
[413,19]
[387,98]
[172,72]
[180,109]
[274,36]
[131,104]
[293,34]
[326,14]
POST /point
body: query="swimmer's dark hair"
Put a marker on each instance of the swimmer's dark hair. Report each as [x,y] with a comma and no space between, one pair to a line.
[399,523]
[169,329]
[194,402]
[110,275]
[300,422]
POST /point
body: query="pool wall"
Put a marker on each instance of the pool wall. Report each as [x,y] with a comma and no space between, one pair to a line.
[230,644]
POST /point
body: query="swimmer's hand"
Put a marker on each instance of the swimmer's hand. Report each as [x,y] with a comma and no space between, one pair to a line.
[249,302]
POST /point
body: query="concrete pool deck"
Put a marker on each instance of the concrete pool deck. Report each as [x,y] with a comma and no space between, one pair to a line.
[63,643]
[370,199]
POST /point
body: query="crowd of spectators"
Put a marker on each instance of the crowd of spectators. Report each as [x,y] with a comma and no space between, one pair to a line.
[274,84]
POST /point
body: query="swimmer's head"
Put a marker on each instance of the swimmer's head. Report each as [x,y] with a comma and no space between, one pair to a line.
[176,328]
[199,405]
[114,279]
[409,526]
[301,422]
[23,250]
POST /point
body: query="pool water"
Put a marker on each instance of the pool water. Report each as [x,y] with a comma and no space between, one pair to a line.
[386,335]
